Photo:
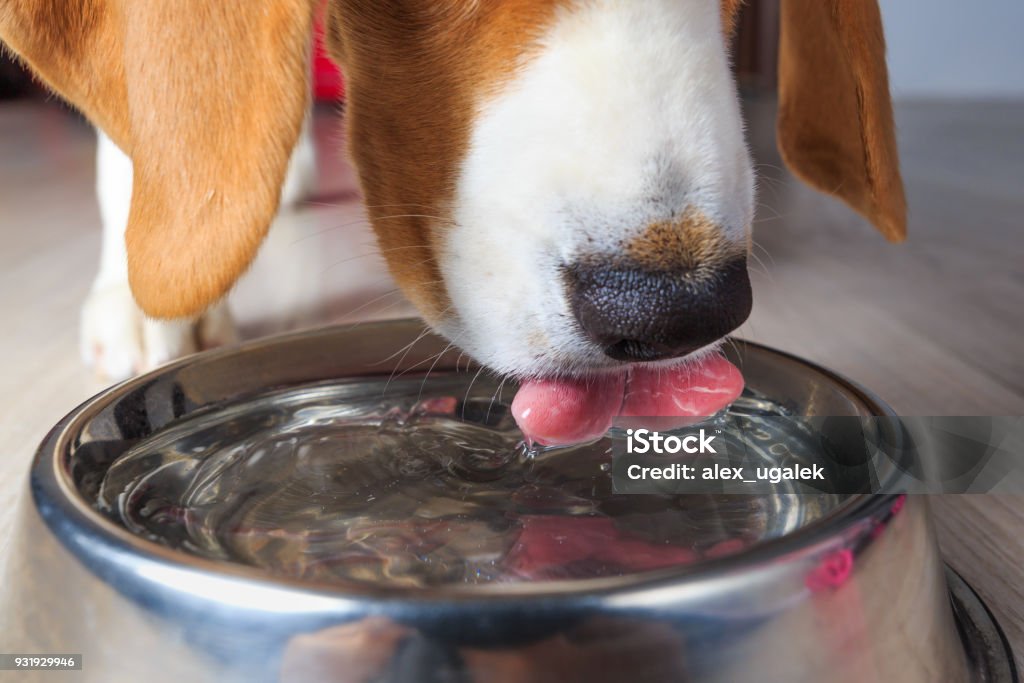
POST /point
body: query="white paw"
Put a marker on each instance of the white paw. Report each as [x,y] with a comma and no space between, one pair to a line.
[118,340]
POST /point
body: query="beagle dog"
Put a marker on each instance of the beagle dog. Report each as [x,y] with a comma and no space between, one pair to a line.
[575,191]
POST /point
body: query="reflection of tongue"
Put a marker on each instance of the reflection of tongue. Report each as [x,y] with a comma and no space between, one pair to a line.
[556,411]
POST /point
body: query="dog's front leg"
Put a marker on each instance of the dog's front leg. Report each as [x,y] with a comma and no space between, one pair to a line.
[117,339]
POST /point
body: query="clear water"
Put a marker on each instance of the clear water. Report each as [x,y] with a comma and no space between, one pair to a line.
[418,484]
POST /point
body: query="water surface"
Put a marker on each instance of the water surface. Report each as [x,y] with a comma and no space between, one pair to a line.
[420,483]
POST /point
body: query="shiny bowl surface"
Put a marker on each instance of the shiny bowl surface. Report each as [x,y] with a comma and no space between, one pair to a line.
[136,610]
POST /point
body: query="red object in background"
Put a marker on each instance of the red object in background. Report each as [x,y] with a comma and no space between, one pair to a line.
[328,84]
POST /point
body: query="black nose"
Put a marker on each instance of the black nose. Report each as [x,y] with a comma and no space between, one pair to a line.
[641,315]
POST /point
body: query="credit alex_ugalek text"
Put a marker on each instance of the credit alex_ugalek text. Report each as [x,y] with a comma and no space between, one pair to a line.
[647,442]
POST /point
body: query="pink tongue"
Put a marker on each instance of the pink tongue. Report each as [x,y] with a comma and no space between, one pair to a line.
[551,411]
[555,412]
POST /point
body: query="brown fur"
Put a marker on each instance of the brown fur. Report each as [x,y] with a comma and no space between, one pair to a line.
[409,114]
[71,23]
[207,101]
[730,13]
[835,125]
[73,45]
[692,242]
[207,98]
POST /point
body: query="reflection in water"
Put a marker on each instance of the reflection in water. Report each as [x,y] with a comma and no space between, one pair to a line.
[424,484]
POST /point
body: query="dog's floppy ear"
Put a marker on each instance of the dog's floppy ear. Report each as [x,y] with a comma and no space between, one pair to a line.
[206,97]
[835,126]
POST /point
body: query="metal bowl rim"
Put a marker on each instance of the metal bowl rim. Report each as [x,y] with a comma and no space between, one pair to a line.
[68,515]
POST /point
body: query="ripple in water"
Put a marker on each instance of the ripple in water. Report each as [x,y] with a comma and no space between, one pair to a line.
[427,484]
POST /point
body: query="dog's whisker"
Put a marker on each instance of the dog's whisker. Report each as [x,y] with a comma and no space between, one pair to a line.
[397,205]
[372,301]
[758,245]
[761,267]
[433,365]
[393,376]
[770,184]
[332,228]
[469,389]
[377,252]
[775,215]
[424,333]
[408,348]
[366,221]
[411,368]
[739,355]
[350,259]
[411,215]
[497,394]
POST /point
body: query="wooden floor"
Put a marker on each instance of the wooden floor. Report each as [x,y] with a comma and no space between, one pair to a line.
[932,326]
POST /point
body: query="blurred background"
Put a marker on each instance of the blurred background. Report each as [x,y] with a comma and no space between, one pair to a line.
[932,326]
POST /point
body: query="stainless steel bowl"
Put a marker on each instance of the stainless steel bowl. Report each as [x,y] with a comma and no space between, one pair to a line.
[76,582]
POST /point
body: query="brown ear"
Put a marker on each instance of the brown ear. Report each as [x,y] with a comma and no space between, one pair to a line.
[835,126]
[207,98]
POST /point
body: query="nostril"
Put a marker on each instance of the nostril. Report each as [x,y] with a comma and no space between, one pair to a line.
[636,314]
[635,350]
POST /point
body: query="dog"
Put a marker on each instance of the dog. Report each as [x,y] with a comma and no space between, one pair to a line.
[574,188]
[117,339]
